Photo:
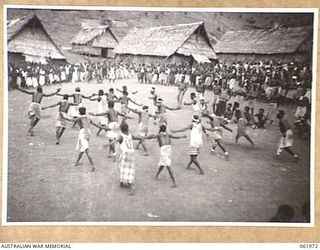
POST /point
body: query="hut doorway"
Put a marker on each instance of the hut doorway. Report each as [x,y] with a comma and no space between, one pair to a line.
[104,53]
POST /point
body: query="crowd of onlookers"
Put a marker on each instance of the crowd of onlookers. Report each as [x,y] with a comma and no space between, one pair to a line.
[275,82]
[31,75]
[261,80]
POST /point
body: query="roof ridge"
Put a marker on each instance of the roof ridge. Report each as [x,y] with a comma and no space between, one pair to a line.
[266,29]
[171,26]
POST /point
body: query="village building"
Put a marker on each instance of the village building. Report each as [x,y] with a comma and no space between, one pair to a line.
[167,44]
[278,44]
[28,40]
[95,41]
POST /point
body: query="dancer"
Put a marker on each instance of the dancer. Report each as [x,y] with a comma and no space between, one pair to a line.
[272,112]
[163,138]
[113,132]
[77,98]
[195,103]
[84,135]
[182,88]
[34,111]
[162,111]
[203,106]
[154,97]
[64,106]
[124,100]
[200,89]
[216,95]
[286,140]
[125,89]
[143,125]
[102,108]
[111,97]
[217,126]
[196,141]
[242,127]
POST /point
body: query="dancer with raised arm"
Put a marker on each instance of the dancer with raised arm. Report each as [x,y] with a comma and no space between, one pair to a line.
[64,106]
[143,128]
[77,98]
[113,126]
[196,140]
[217,126]
[164,140]
[84,135]
[34,111]
[162,111]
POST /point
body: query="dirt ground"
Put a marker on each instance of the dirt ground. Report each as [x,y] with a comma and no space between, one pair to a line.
[44,186]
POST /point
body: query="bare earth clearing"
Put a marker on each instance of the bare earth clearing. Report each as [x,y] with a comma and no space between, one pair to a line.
[44,186]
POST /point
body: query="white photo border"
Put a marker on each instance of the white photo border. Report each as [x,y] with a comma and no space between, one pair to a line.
[313,11]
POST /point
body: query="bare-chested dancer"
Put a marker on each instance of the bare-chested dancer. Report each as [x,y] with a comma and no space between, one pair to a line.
[113,125]
[124,100]
[34,111]
[84,135]
[64,106]
[125,89]
[143,124]
[77,98]
[165,150]
[162,111]
[182,88]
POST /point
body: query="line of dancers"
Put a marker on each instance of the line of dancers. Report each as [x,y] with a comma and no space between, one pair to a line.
[118,132]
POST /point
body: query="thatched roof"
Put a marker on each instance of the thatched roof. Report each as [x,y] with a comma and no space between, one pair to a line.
[164,41]
[14,27]
[97,36]
[263,41]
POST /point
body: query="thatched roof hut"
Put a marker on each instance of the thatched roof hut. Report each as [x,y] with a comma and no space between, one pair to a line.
[95,41]
[168,43]
[28,40]
[282,43]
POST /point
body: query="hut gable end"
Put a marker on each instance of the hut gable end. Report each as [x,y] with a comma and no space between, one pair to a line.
[197,44]
[160,41]
[98,36]
[106,40]
[28,36]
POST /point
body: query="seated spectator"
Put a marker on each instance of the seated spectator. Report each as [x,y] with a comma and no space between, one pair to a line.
[259,119]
